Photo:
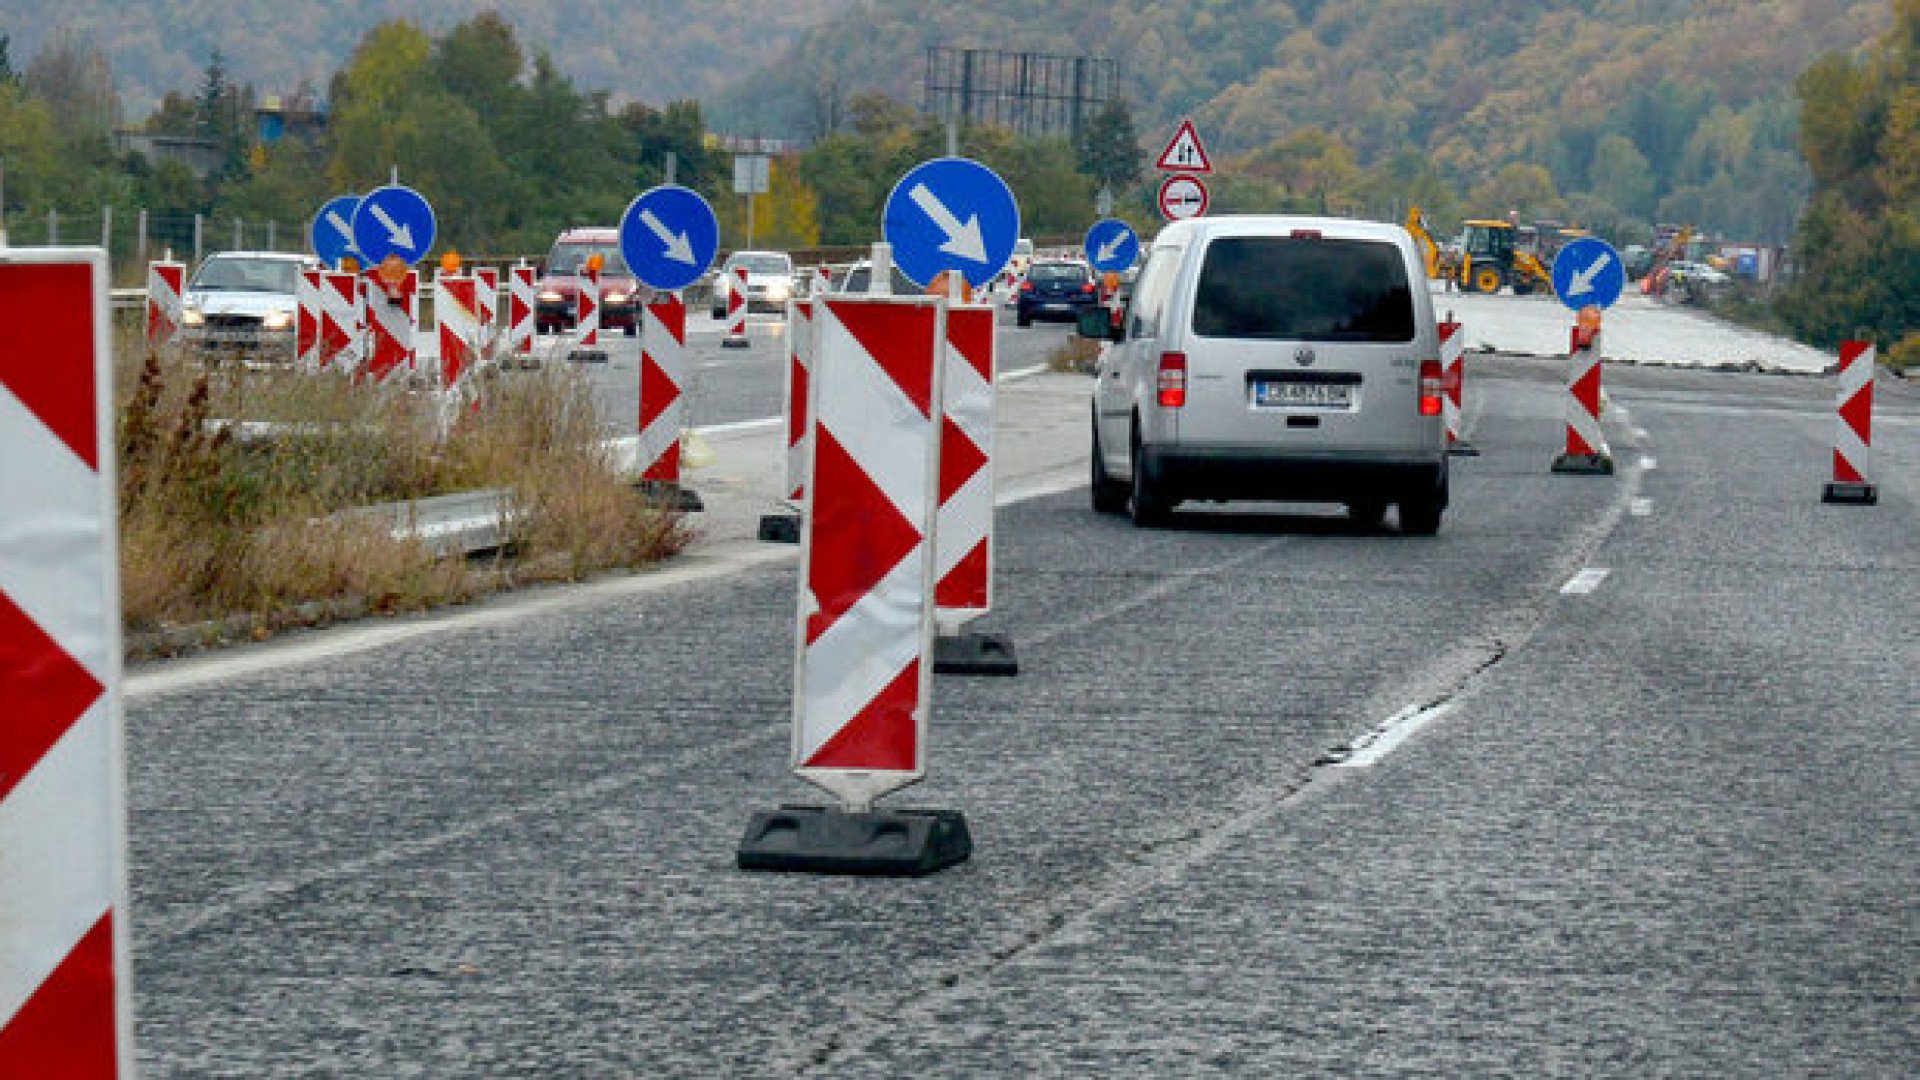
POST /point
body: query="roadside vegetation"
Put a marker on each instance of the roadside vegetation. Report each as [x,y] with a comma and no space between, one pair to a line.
[234,531]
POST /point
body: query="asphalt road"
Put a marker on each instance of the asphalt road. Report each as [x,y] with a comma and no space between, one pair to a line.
[1663,826]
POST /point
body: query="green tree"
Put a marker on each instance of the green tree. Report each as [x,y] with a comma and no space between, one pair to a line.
[1521,188]
[1622,176]
[1858,243]
[1109,149]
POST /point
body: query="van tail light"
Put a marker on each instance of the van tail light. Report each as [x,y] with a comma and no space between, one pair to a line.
[1087,288]
[1026,286]
[1430,387]
[1173,380]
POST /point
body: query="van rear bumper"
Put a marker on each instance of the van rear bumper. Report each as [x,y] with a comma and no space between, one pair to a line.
[1262,472]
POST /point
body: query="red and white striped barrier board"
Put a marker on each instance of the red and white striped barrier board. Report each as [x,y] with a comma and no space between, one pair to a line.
[486,304]
[588,322]
[340,320]
[64,988]
[520,301]
[1451,378]
[1586,450]
[736,308]
[458,322]
[306,333]
[864,671]
[166,301]
[965,535]
[1853,427]
[663,358]
[390,328]
[799,365]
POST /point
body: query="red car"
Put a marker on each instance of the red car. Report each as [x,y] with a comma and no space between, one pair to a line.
[557,296]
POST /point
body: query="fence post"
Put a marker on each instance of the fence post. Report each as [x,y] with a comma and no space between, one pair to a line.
[239,234]
[53,228]
[199,249]
[140,243]
[106,232]
[271,246]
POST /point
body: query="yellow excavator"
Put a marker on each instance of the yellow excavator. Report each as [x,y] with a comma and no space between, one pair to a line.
[1488,257]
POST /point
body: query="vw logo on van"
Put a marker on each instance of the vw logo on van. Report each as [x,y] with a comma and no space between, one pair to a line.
[1304,357]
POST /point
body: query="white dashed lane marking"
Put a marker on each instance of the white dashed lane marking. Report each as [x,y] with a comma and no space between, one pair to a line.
[1585,581]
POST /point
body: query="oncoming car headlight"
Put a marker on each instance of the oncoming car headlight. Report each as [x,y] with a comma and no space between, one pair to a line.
[278,320]
[551,296]
[619,297]
[192,317]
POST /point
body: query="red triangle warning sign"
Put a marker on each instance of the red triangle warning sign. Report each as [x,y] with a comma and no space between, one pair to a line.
[1184,154]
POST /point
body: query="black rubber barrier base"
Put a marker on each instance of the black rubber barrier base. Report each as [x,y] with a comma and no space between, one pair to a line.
[1463,448]
[731,342]
[974,654]
[780,528]
[1588,464]
[672,496]
[588,356]
[879,843]
[1840,491]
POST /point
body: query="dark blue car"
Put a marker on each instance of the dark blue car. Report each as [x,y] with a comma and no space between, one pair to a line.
[1054,289]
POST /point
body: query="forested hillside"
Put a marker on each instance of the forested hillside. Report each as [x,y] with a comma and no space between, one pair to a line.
[1640,109]
[645,50]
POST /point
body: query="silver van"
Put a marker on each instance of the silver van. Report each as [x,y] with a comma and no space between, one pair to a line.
[1273,358]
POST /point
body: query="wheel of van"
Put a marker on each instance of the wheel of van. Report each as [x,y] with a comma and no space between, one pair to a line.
[1148,508]
[1109,495]
[1487,280]
[1023,319]
[1420,515]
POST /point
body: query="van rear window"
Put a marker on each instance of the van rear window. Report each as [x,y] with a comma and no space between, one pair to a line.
[1303,290]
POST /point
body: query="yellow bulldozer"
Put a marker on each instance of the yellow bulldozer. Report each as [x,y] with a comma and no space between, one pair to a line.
[1488,258]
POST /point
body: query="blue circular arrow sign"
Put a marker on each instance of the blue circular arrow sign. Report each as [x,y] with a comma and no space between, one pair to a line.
[393,220]
[951,214]
[331,233]
[1112,245]
[668,237]
[1588,272]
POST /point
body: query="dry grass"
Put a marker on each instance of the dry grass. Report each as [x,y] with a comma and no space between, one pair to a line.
[1075,354]
[226,533]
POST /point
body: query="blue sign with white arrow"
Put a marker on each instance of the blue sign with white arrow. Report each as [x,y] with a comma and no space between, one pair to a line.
[393,220]
[951,214]
[332,231]
[1588,272]
[668,237]
[1112,245]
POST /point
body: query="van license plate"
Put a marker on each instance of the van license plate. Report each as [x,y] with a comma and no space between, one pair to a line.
[1321,395]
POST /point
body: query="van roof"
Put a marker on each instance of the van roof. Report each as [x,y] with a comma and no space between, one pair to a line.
[1281,225]
[588,234]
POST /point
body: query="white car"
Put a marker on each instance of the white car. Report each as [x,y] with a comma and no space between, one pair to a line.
[1273,358]
[245,302]
[769,281]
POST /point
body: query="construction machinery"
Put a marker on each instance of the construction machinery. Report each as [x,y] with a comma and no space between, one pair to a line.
[1488,256]
[1491,256]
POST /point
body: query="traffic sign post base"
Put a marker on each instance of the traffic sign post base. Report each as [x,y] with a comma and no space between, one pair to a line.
[974,654]
[875,843]
[780,528]
[1837,491]
[671,495]
[1585,464]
